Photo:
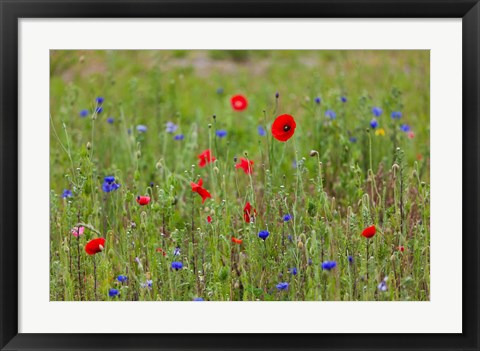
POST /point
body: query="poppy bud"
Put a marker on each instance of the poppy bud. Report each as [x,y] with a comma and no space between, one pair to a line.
[209,125]
[236,285]
[277,95]
[158,165]
[89,146]
[216,170]
[214,116]
[139,154]
[300,245]
[313,153]
[235,159]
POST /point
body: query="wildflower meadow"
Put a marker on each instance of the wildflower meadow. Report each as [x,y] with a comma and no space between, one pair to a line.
[239,175]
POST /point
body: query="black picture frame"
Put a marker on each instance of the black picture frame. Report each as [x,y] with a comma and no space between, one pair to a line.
[11,11]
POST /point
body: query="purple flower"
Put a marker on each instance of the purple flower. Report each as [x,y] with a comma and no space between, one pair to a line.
[287,217]
[66,193]
[113,292]
[263,234]
[377,111]
[383,284]
[293,271]
[220,91]
[110,120]
[179,137]
[374,123]
[171,127]
[221,133]
[277,95]
[99,100]
[261,131]
[177,265]
[396,115]
[282,286]
[99,109]
[405,128]
[198,299]
[350,259]
[141,128]
[318,100]
[352,139]
[109,184]
[147,284]
[343,99]
[330,114]
[83,113]
[122,278]
[329,265]
[176,252]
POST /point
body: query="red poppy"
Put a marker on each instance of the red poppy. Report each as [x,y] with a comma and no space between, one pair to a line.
[401,249]
[248,214]
[283,127]
[209,219]
[236,241]
[369,232]
[205,157]
[95,246]
[143,200]
[246,165]
[239,102]
[161,251]
[197,188]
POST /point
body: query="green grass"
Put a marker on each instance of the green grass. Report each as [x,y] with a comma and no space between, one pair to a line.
[332,194]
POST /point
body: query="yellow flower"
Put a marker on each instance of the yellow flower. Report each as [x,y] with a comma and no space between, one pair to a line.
[380,131]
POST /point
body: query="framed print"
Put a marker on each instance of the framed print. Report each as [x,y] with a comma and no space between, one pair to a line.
[236,175]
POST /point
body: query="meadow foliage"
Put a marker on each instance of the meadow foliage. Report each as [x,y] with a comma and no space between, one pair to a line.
[239,176]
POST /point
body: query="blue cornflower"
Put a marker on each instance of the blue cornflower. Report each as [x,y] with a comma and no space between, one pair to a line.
[179,137]
[383,284]
[110,120]
[109,184]
[310,262]
[261,131]
[328,265]
[294,164]
[147,284]
[177,265]
[293,271]
[287,217]
[377,111]
[122,278]
[99,109]
[330,114]
[263,234]
[99,100]
[141,128]
[277,95]
[282,286]
[405,128]
[171,127]
[66,193]
[352,139]
[396,115]
[290,238]
[198,299]
[176,252]
[350,259]
[219,90]
[113,292]
[83,113]
[318,100]
[374,123]
[343,99]
[221,133]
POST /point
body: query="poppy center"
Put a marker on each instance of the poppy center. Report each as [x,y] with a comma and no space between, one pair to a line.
[286,128]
